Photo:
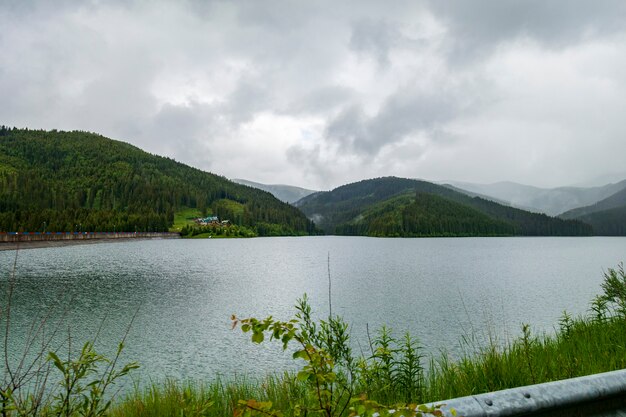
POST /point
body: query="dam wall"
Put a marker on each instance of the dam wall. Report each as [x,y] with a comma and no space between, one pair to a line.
[9,237]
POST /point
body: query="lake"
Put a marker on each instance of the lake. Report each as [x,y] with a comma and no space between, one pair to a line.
[184,291]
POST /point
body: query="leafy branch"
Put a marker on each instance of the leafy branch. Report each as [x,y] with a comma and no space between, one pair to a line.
[330,372]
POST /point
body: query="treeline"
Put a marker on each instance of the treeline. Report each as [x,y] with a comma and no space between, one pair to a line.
[58,180]
[233,230]
[217,231]
[83,220]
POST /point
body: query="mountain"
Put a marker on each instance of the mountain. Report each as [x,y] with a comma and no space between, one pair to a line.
[607,217]
[611,222]
[551,201]
[614,201]
[393,206]
[287,193]
[63,181]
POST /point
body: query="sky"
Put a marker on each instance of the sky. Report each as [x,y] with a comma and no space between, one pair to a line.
[323,93]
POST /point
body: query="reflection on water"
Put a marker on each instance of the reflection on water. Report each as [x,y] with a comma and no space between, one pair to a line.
[184,292]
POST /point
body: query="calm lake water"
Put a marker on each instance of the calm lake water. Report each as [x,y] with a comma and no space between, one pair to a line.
[184,292]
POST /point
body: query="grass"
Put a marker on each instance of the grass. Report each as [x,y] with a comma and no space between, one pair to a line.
[184,217]
[169,399]
[231,206]
[584,347]
[214,399]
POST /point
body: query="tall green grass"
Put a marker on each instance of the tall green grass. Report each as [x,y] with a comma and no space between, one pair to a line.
[217,398]
[584,347]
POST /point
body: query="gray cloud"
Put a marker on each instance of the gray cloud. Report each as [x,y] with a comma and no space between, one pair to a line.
[249,98]
[321,93]
[401,115]
[376,38]
[552,22]
[476,27]
[182,131]
[321,99]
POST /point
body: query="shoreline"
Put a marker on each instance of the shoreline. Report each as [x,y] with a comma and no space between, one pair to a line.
[37,244]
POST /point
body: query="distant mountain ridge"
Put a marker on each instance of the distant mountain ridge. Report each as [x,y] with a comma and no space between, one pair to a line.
[551,201]
[287,193]
[392,206]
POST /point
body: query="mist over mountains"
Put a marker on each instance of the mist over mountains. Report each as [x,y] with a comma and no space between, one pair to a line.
[287,193]
[551,201]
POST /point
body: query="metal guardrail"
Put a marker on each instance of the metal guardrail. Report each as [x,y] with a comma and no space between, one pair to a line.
[594,395]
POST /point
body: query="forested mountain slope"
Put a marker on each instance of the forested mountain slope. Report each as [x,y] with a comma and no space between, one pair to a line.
[393,206]
[607,217]
[62,181]
[610,222]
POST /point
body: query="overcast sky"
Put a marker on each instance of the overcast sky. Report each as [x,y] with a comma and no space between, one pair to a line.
[322,93]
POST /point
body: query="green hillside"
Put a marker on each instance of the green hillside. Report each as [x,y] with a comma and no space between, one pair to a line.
[393,206]
[64,181]
[611,222]
[607,217]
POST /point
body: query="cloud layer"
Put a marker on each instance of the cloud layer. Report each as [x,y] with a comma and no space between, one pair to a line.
[322,93]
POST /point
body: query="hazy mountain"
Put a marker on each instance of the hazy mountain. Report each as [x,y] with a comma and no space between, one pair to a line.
[393,206]
[287,193]
[551,201]
[614,201]
[474,194]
